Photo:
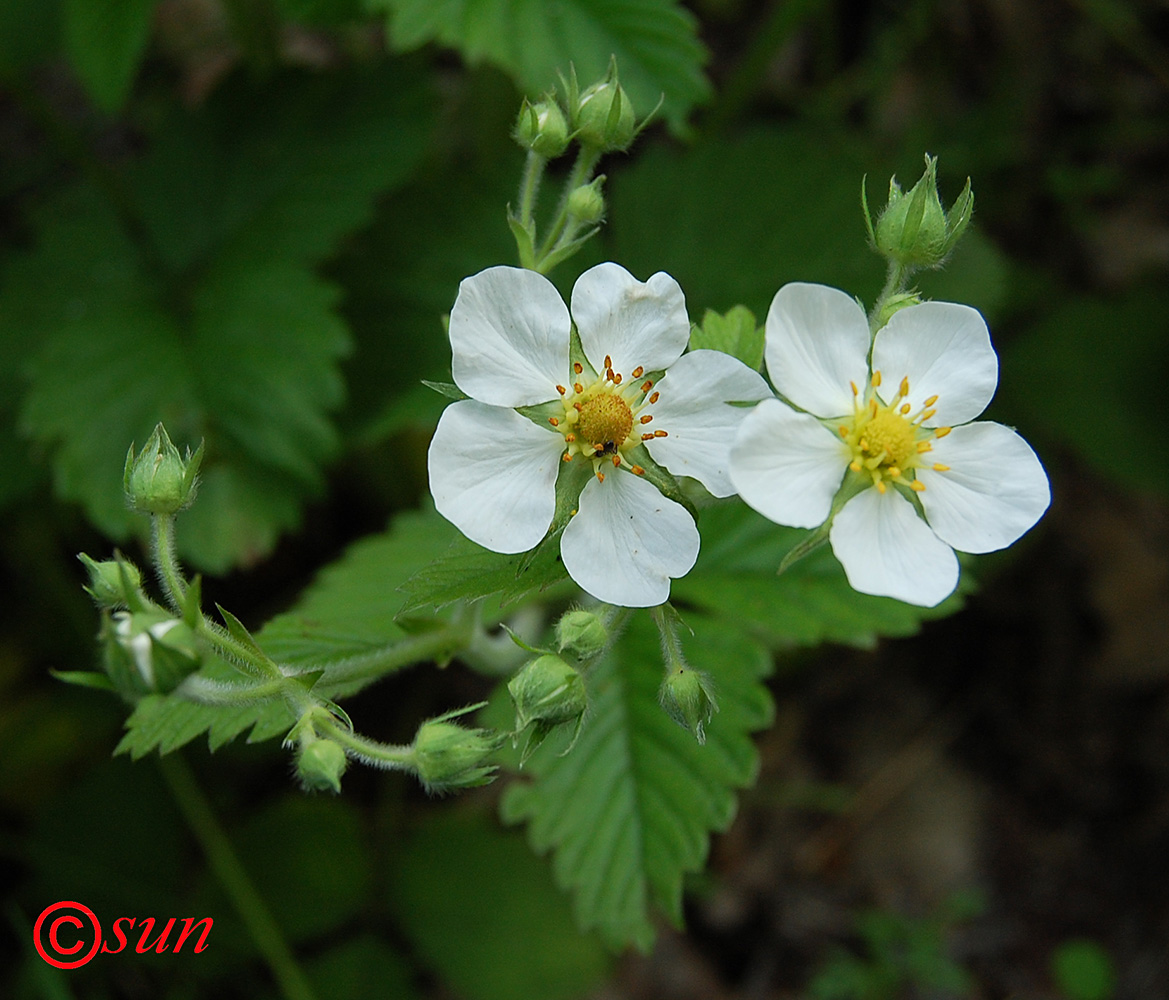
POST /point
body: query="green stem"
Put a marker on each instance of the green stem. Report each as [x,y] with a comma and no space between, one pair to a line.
[896,281]
[170,574]
[387,756]
[235,880]
[365,667]
[253,663]
[530,186]
[561,231]
[665,617]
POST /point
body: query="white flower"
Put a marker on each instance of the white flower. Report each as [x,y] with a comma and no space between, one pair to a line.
[493,471]
[979,485]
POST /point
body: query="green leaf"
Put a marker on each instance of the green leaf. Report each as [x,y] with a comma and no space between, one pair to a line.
[655,43]
[630,810]
[197,303]
[105,42]
[808,604]
[466,893]
[735,333]
[733,220]
[349,610]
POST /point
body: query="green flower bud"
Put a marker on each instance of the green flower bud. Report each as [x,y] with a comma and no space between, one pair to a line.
[113,583]
[148,651]
[320,764]
[447,755]
[604,117]
[586,203]
[159,480]
[547,690]
[581,633]
[913,229]
[688,698]
[542,128]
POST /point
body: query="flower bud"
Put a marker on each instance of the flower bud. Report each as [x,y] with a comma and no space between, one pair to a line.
[547,690]
[913,229]
[688,698]
[148,651]
[586,203]
[604,117]
[159,480]
[320,764]
[113,583]
[447,755]
[542,128]
[581,633]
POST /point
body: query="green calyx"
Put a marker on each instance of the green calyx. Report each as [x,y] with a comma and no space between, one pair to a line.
[320,764]
[158,480]
[542,128]
[914,230]
[113,583]
[581,633]
[446,755]
[688,697]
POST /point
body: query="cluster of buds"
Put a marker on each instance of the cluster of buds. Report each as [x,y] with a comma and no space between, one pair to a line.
[913,230]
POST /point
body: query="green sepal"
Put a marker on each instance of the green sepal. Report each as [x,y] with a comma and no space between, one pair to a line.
[525,240]
[576,355]
[448,389]
[238,632]
[309,678]
[562,253]
[84,678]
[667,485]
[810,543]
[192,602]
[520,641]
[867,214]
[959,217]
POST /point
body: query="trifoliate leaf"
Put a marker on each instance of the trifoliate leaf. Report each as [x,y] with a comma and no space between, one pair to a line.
[735,333]
[195,302]
[105,42]
[809,603]
[654,41]
[630,810]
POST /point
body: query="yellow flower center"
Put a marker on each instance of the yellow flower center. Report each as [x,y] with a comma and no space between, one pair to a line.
[887,441]
[606,419]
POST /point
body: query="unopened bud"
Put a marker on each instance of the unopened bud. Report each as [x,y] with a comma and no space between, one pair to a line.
[320,764]
[542,128]
[113,583]
[159,480]
[581,633]
[547,690]
[604,117]
[913,229]
[148,651]
[688,698]
[447,755]
[586,203]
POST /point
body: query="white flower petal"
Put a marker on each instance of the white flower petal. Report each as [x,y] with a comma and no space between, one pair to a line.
[817,343]
[493,475]
[944,350]
[787,465]
[632,322]
[509,335]
[694,411]
[627,540]
[994,491]
[887,550]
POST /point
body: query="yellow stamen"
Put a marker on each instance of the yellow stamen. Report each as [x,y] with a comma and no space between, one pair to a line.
[854,465]
[930,401]
[637,470]
[917,486]
[577,388]
[617,379]
[646,419]
[654,397]
[876,380]
[854,389]
[880,486]
[938,467]
[904,388]
[942,431]
[560,389]
[660,434]
[904,409]
[616,461]
[923,446]
[647,437]
[600,477]
[637,372]
[927,414]
[608,361]
[577,367]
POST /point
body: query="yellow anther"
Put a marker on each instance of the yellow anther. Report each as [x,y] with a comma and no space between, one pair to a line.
[617,379]
[660,434]
[904,409]
[923,446]
[917,486]
[654,397]
[894,472]
[927,414]
[646,419]
[854,465]
[881,486]
[904,388]
[637,372]
[608,361]
[577,388]
[637,470]
[938,467]
[554,422]
[864,445]
[600,477]
[843,431]
[854,389]
[616,461]
[566,458]
[647,437]
[942,431]
[570,438]
[577,367]
[930,401]
[560,389]
[876,380]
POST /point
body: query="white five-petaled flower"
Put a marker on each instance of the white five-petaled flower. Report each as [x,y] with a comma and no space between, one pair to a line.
[493,470]
[901,426]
